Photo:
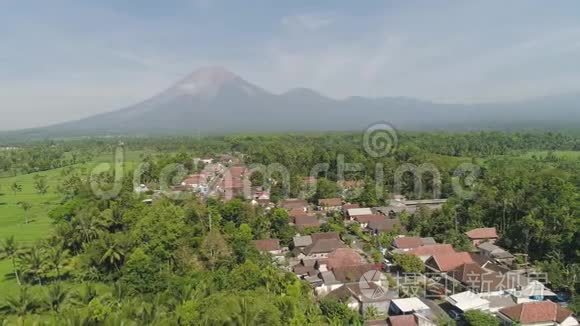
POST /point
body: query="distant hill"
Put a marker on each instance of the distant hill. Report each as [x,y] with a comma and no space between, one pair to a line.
[213,100]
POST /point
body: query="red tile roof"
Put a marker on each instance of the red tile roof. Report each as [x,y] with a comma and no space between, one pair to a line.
[450,261]
[482,233]
[536,312]
[343,257]
[407,242]
[402,320]
[267,244]
[431,250]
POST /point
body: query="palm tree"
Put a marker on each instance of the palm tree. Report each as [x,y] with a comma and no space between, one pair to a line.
[20,305]
[56,297]
[114,254]
[57,257]
[26,206]
[33,263]
[9,249]
[88,226]
[84,297]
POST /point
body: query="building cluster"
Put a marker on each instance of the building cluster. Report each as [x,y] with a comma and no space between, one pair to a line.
[489,278]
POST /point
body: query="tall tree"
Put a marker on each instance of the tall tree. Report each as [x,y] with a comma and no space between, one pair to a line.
[9,249]
[16,187]
[25,206]
[40,184]
[214,248]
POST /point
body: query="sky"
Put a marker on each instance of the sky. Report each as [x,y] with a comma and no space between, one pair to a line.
[67,59]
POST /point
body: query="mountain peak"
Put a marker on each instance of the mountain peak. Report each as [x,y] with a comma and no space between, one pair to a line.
[206,81]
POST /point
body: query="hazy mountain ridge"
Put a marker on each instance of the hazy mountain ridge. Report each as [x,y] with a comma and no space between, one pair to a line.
[214,100]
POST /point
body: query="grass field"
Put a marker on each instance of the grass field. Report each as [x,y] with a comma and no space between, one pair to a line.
[12,222]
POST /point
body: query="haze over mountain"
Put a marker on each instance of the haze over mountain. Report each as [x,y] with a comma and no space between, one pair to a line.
[214,100]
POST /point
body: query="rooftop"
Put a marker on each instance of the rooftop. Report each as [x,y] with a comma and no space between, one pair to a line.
[408,305]
[267,244]
[482,233]
[467,301]
[536,312]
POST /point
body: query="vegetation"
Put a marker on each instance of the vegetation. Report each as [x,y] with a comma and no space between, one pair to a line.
[69,257]
[479,318]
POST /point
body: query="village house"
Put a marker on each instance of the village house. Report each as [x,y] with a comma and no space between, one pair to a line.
[385,225]
[427,251]
[346,207]
[496,254]
[330,204]
[402,320]
[235,183]
[407,243]
[303,244]
[306,221]
[413,307]
[447,262]
[480,235]
[271,246]
[465,301]
[294,203]
[352,213]
[537,313]
[361,299]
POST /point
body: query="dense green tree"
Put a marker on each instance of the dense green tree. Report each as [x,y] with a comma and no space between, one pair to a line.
[479,318]
[409,263]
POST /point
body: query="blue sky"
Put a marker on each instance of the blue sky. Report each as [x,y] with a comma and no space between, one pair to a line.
[64,59]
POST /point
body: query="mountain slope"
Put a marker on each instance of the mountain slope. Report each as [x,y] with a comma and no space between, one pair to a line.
[214,100]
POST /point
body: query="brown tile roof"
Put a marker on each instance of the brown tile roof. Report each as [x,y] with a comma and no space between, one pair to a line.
[323,246]
[330,202]
[370,217]
[402,320]
[306,221]
[477,278]
[343,257]
[293,203]
[536,312]
[324,235]
[449,261]
[267,244]
[297,212]
[353,273]
[482,233]
[385,225]
[346,207]
[434,249]
[407,242]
